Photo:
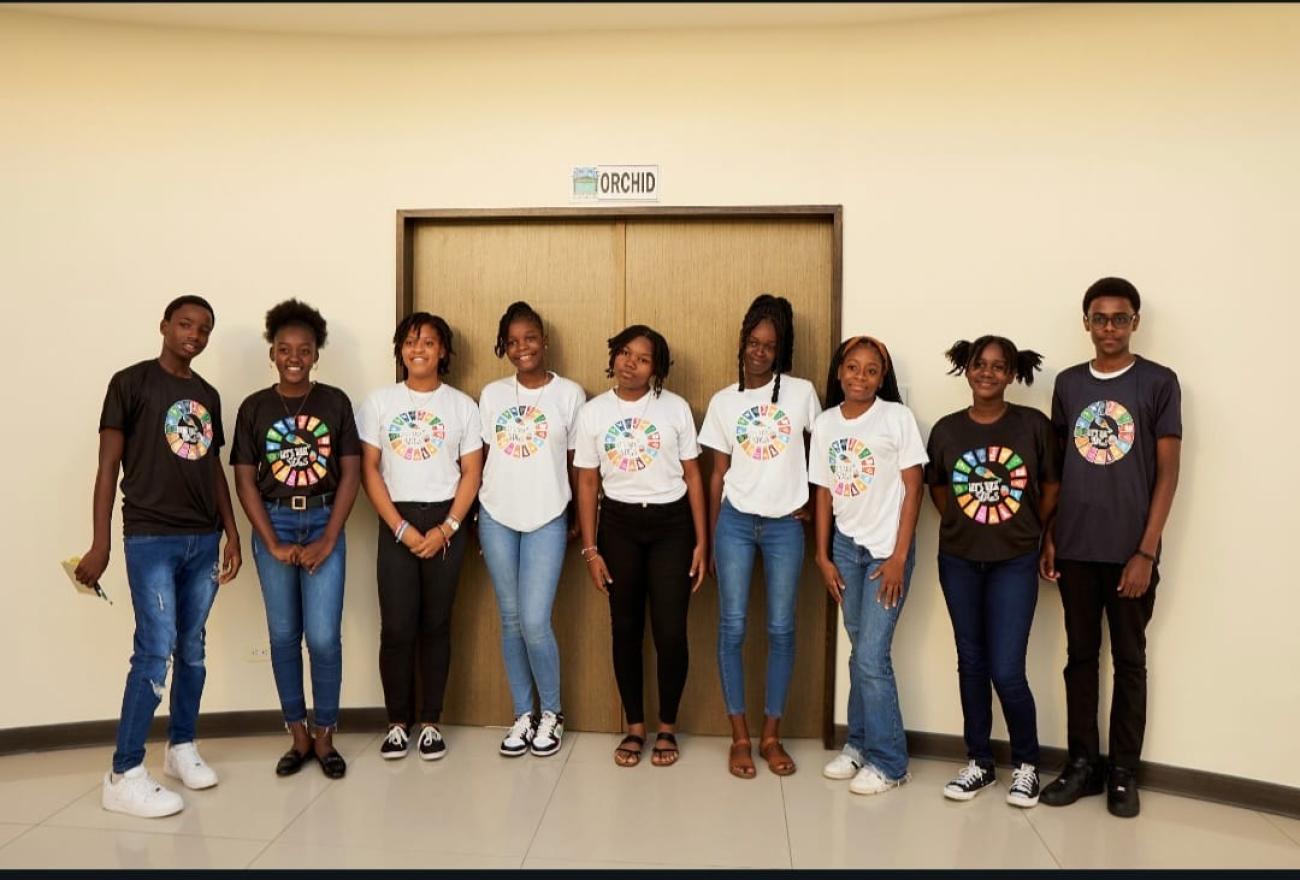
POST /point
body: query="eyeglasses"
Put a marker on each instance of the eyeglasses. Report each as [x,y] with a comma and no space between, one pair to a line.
[1120,321]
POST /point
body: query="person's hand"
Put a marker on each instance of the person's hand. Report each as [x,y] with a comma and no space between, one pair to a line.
[804,514]
[699,565]
[890,575]
[430,544]
[600,576]
[412,538]
[231,560]
[831,577]
[1047,561]
[92,565]
[1135,580]
[314,554]
[285,553]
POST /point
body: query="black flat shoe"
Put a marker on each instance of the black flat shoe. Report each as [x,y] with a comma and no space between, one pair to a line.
[291,762]
[333,765]
[1080,778]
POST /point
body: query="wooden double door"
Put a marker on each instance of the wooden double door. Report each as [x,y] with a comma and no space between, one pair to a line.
[690,277]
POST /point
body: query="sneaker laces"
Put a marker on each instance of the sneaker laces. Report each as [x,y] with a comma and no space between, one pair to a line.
[397,736]
[520,728]
[429,735]
[970,774]
[1022,778]
[546,727]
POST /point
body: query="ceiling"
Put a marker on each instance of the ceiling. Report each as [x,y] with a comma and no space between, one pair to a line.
[448,19]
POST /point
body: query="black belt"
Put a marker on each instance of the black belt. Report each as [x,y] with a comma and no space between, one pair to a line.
[301,502]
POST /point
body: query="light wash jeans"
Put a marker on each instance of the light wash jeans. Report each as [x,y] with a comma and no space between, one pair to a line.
[300,603]
[780,540]
[875,721]
[525,569]
[173,580]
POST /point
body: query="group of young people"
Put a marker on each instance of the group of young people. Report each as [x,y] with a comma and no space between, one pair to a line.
[1080,498]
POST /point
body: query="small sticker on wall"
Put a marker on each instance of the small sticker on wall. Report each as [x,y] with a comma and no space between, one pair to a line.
[616,183]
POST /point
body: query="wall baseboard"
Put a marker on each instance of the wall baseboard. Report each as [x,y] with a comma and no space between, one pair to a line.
[1233,791]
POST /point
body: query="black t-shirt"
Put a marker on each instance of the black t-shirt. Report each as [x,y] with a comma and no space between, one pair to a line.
[173,436]
[1109,428]
[296,442]
[993,474]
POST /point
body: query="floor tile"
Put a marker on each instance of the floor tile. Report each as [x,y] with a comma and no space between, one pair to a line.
[10,830]
[281,855]
[50,847]
[1171,832]
[693,813]
[573,865]
[35,785]
[1290,827]
[250,802]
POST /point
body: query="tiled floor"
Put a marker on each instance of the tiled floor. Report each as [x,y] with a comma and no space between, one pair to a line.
[577,810]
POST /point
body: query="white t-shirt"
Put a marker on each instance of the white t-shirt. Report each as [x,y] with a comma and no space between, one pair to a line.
[768,475]
[638,446]
[528,433]
[421,436]
[861,462]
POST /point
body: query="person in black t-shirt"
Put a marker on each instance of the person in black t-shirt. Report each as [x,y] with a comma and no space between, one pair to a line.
[1119,421]
[993,475]
[297,460]
[161,424]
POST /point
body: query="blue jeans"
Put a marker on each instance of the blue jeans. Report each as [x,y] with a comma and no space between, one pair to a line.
[300,603]
[992,607]
[525,569]
[781,541]
[173,581]
[875,721]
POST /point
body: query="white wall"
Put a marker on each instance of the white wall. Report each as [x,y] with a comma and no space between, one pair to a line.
[990,168]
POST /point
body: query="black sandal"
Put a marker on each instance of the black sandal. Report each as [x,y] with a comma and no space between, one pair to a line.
[291,762]
[333,765]
[658,752]
[622,749]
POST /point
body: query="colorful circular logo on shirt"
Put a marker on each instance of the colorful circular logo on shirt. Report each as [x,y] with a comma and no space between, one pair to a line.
[763,431]
[852,466]
[632,444]
[298,450]
[1104,432]
[416,435]
[188,429]
[521,431]
[988,484]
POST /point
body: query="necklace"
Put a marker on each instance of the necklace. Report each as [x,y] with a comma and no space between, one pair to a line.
[541,389]
[415,407]
[294,415]
[644,406]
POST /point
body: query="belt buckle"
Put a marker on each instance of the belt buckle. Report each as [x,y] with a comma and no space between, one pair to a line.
[298,502]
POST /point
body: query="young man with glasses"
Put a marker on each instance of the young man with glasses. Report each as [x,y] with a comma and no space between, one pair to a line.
[1119,418]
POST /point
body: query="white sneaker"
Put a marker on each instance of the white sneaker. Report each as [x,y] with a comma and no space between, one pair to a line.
[518,737]
[184,762]
[139,794]
[871,781]
[843,766]
[546,740]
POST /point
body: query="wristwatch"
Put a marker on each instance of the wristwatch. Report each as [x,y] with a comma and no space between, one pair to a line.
[452,523]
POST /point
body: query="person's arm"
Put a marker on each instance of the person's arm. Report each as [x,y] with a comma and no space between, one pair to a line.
[1136,577]
[112,444]
[471,478]
[699,514]
[939,495]
[251,500]
[890,573]
[372,480]
[721,464]
[345,495]
[572,511]
[231,557]
[588,490]
[822,531]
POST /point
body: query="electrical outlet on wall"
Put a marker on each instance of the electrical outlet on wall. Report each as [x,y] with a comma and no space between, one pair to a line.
[258,654]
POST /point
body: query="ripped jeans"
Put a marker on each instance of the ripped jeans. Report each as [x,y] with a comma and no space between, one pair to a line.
[173,582]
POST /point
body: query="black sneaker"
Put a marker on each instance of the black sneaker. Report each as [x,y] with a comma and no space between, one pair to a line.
[1122,793]
[519,737]
[431,745]
[972,779]
[1080,778]
[394,745]
[1024,786]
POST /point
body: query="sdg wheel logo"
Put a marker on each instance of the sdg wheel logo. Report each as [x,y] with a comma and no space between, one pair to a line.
[521,431]
[632,444]
[188,429]
[298,450]
[416,435]
[763,432]
[988,484]
[853,467]
[1104,432]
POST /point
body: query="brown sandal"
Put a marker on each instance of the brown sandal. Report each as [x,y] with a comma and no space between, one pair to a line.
[631,756]
[741,762]
[778,760]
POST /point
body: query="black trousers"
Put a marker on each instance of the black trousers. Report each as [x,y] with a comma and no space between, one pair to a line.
[1088,589]
[415,601]
[647,549]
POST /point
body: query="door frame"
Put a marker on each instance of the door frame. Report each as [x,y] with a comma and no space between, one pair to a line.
[408,219]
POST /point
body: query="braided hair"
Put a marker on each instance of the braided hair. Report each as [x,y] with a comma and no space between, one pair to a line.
[412,323]
[661,358]
[517,311]
[888,389]
[780,313]
[963,355]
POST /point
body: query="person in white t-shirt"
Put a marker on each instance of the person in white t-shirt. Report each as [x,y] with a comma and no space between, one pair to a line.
[866,460]
[421,464]
[528,433]
[758,502]
[637,443]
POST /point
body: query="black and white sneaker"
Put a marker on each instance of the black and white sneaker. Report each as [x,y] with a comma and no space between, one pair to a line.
[1024,786]
[972,779]
[519,736]
[431,745]
[394,745]
[546,741]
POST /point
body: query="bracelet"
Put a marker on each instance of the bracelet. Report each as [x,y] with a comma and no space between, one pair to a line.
[585,557]
[446,538]
[400,530]
[1145,555]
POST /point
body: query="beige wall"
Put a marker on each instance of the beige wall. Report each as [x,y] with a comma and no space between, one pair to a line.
[990,167]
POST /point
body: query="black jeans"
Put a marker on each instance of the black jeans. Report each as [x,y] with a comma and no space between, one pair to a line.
[415,600]
[647,549]
[1088,588]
